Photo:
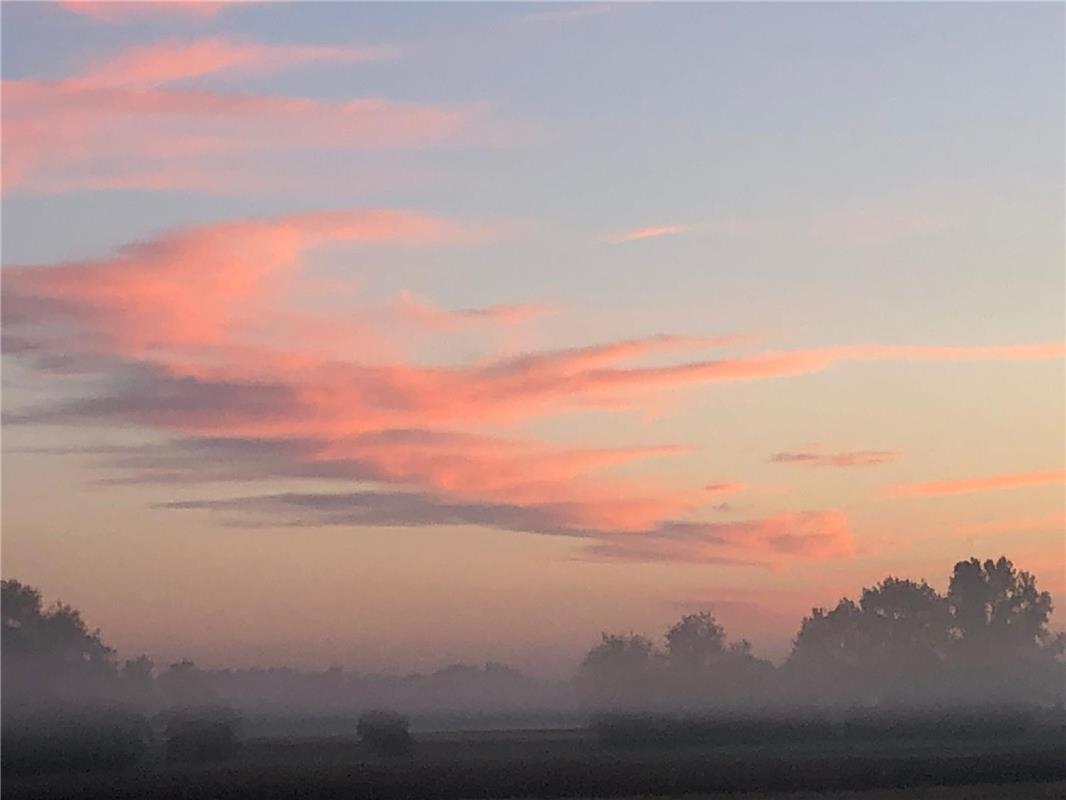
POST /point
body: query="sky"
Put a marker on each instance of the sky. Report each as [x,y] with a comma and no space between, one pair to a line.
[389,335]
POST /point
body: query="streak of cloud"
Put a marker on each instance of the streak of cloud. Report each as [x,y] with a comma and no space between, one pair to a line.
[847,458]
[986,483]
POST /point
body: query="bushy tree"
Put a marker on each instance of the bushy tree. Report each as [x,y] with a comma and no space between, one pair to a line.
[695,642]
[995,604]
[705,672]
[620,673]
[49,655]
[65,704]
[986,641]
[1004,650]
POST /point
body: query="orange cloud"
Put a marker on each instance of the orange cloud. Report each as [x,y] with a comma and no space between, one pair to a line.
[984,484]
[849,458]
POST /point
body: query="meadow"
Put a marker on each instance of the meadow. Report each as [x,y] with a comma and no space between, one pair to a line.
[575,763]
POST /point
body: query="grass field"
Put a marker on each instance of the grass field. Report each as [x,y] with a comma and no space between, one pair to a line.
[988,791]
[574,764]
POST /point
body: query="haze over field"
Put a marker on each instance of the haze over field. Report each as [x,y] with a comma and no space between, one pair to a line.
[392,336]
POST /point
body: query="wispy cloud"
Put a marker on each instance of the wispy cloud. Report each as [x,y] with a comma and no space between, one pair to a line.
[725,488]
[116,12]
[651,232]
[728,227]
[169,60]
[804,535]
[759,542]
[425,313]
[188,333]
[981,484]
[846,458]
[121,121]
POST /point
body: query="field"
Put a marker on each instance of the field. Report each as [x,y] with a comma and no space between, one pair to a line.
[574,764]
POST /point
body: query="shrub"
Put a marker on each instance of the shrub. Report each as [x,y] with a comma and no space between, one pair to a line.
[385,732]
[200,734]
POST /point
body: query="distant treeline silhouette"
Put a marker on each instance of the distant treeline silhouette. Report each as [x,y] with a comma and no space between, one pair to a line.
[985,643]
[52,659]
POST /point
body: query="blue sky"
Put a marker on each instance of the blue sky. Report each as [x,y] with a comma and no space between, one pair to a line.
[836,175]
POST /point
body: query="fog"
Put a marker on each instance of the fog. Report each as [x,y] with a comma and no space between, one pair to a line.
[900,651]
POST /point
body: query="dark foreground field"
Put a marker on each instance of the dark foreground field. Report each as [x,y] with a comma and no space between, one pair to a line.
[575,764]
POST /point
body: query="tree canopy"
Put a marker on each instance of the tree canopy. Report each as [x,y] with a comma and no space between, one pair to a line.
[986,641]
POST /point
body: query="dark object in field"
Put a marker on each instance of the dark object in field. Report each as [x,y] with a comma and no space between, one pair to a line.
[72,740]
[385,732]
[200,734]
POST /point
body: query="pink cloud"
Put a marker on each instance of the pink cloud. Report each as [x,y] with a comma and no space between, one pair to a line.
[1017,352]
[811,535]
[193,287]
[117,122]
[116,11]
[651,232]
[982,484]
[190,334]
[170,60]
[807,535]
[725,227]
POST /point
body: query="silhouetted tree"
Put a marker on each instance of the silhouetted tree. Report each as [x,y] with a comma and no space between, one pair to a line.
[828,652]
[994,602]
[889,647]
[619,674]
[63,701]
[986,641]
[48,654]
[695,642]
[1004,649]
[705,672]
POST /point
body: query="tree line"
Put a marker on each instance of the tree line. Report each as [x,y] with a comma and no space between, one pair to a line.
[986,642]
